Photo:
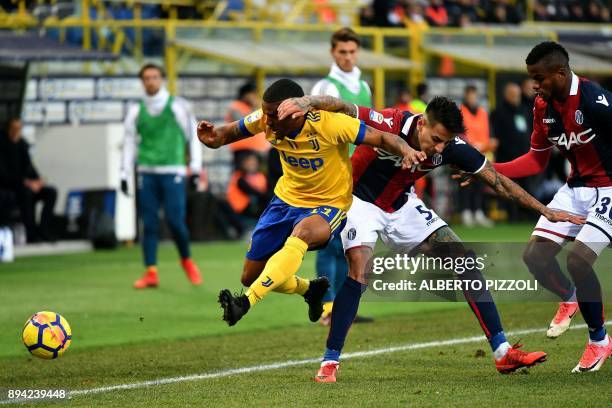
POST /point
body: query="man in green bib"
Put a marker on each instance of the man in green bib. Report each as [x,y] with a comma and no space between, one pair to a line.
[344,82]
[158,130]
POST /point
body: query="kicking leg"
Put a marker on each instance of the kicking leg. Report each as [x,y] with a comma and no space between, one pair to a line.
[540,258]
[311,232]
[344,311]
[444,243]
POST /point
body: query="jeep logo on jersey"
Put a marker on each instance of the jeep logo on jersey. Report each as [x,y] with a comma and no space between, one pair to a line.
[302,162]
[573,138]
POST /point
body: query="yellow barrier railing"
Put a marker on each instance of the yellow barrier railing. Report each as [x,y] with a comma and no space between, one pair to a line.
[375,37]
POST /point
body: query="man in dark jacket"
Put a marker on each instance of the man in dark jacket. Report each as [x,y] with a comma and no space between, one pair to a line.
[19,175]
[511,127]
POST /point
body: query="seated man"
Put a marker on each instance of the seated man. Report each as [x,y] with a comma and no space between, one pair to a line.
[20,177]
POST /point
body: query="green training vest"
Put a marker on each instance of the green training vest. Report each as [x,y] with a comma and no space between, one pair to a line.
[162,142]
[363,98]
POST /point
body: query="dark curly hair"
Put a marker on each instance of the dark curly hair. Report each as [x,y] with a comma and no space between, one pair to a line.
[444,111]
[282,89]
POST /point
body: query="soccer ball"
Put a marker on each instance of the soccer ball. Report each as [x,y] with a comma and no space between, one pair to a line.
[47,335]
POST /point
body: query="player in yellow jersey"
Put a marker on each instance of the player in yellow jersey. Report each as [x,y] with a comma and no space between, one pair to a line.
[310,199]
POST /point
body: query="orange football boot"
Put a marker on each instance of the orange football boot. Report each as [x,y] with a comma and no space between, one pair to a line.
[149,279]
[515,359]
[327,372]
[192,271]
[594,357]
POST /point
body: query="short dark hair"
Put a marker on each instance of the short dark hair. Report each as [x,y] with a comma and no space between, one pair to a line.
[550,51]
[151,65]
[344,35]
[246,89]
[470,88]
[444,111]
[421,89]
[282,89]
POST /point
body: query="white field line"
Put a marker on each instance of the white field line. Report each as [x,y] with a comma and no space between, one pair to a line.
[293,363]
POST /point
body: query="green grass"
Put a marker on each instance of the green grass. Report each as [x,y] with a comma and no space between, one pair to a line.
[124,336]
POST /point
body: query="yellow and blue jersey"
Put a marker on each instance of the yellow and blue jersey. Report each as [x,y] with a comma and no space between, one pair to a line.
[315,160]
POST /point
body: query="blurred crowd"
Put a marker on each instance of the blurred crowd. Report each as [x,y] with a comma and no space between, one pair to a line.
[463,13]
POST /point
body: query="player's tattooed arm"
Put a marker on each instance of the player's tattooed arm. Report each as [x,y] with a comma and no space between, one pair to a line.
[296,107]
[511,191]
[393,144]
[215,137]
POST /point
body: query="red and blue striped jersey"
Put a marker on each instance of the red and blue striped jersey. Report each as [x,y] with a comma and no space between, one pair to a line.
[378,177]
[580,128]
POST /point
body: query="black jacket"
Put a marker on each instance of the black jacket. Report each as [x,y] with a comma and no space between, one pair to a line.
[510,125]
[15,164]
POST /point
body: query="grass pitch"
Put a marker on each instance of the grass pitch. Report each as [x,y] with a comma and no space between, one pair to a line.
[122,336]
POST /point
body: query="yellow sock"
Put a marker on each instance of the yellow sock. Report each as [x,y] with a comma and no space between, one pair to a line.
[279,268]
[327,308]
[294,284]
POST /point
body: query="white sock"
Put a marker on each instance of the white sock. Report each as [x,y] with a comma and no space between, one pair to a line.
[601,343]
[501,351]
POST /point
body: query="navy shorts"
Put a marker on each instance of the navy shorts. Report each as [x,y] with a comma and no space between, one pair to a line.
[277,222]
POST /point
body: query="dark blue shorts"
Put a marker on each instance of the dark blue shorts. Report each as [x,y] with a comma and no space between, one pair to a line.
[277,222]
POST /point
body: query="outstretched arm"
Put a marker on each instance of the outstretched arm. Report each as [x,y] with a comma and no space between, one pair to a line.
[216,137]
[511,191]
[393,144]
[531,163]
[296,107]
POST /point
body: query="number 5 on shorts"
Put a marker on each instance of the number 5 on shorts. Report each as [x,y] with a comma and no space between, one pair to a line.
[426,213]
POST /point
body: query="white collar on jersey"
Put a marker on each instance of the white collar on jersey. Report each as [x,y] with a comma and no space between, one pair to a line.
[408,123]
[156,103]
[574,87]
[349,79]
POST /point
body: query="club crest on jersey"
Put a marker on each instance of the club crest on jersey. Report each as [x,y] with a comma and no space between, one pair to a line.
[436,159]
[312,138]
[376,117]
[579,117]
[573,139]
[352,233]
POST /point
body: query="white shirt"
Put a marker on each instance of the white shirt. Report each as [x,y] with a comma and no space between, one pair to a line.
[183,113]
[352,80]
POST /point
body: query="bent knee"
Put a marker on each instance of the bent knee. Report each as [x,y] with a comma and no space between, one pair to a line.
[577,266]
[246,279]
[533,257]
